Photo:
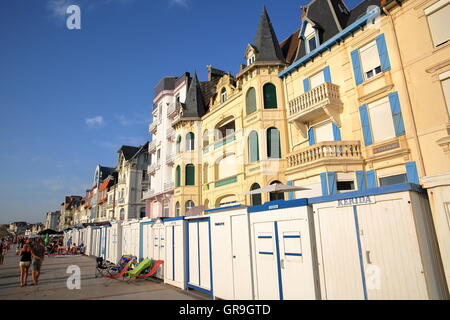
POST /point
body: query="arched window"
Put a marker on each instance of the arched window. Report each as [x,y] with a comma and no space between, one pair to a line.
[177,209]
[253,147]
[273,143]
[178,144]
[122,214]
[205,138]
[270,96]
[190,141]
[189,205]
[190,175]
[251,100]
[205,173]
[223,95]
[255,198]
[142,212]
[178,176]
[276,195]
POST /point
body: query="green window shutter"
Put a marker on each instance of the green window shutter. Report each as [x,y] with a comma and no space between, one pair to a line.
[251,101]
[178,177]
[273,143]
[270,96]
[253,149]
[190,175]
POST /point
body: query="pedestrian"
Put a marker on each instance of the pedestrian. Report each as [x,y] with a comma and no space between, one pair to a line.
[1,251]
[38,255]
[25,262]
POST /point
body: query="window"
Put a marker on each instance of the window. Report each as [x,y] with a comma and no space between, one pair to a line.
[177,209]
[205,139]
[190,175]
[370,60]
[190,141]
[250,60]
[144,175]
[253,147]
[122,214]
[273,143]
[394,179]
[189,205]
[178,144]
[445,81]
[165,208]
[142,213]
[177,176]
[225,130]
[255,198]
[251,101]
[312,43]
[311,40]
[223,95]
[381,120]
[144,190]
[270,96]
[158,155]
[324,132]
[438,16]
[276,195]
[317,79]
[343,186]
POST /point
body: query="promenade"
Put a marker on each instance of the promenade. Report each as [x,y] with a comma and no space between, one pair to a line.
[53,279]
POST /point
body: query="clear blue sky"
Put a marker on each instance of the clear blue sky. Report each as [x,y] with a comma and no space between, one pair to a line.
[70,98]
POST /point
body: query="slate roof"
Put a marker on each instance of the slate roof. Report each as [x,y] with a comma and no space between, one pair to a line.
[128,151]
[194,105]
[266,42]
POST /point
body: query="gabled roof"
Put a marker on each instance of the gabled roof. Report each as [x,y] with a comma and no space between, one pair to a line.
[128,151]
[266,41]
[194,104]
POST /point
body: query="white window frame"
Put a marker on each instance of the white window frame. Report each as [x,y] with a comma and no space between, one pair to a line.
[320,125]
[377,69]
[437,6]
[250,60]
[445,77]
[387,120]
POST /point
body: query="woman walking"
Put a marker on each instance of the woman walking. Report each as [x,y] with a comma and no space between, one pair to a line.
[25,262]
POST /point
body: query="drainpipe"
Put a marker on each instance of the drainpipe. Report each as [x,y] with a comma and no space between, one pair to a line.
[410,109]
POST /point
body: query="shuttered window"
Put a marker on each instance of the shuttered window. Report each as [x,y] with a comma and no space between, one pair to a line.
[251,101]
[270,96]
[253,147]
[381,120]
[273,143]
[177,176]
[370,60]
[190,175]
[438,16]
[317,79]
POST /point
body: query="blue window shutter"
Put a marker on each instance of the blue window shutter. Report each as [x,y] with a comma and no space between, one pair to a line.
[365,124]
[311,137]
[323,180]
[371,180]
[306,84]
[397,114]
[290,194]
[332,187]
[411,172]
[383,53]
[327,74]
[360,181]
[357,67]
[336,132]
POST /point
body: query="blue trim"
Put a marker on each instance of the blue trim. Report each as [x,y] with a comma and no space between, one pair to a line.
[278,204]
[173,219]
[327,74]
[190,286]
[265,252]
[291,237]
[173,253]
[397,117]
[332,186]
[277,247]
[361,263]
[355,26]
[147,222]
[365,125]
[264,237]
[357,70]
[360,180]
[210,261]
[371,179]
[293,254]
[383,52]
[369,192]
[223,208]
[187,272]
[324,183]
[306,87]
[141,241]
[198,251]
[311,136]
[336,132]
[290,194]
[411,172]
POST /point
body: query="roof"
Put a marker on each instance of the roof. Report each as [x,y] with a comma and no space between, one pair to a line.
[289,46]
[266,42]
[105,184]
[195,106]
[128,151]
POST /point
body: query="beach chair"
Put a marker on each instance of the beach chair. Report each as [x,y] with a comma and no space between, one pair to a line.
[144,264]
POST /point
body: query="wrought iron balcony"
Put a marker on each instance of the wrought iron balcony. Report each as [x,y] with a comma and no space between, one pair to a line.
[323,99]
[345,151]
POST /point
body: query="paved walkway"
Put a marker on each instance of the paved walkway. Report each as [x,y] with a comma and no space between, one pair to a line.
[52,284]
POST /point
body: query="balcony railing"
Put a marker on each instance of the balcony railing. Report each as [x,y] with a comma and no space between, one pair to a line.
[168,186]
[310,104]
[152,147]
[122,200]
[170,133]
[152,127]
[331,150]
[170,159]
[148,194]
[153,167]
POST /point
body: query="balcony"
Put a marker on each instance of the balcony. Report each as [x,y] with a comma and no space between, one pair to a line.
[152,147]
[170,159]
[153,167]
[170,134]
[173,109]
[224,141]
[323,99]
[168,186]
[120,201]
[331,151]
[152,127]
[148,194]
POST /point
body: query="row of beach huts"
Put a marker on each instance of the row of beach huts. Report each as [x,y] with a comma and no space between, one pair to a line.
[373,244]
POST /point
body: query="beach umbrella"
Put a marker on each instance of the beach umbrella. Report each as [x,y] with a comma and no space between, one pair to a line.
[46,239]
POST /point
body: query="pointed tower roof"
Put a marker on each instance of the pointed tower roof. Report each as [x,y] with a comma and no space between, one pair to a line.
[266,40]
[194,103]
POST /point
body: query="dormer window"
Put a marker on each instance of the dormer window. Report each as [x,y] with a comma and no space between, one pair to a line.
[223,95]
[250,60]
[311,38]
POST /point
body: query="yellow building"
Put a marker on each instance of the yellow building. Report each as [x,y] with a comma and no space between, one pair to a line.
[232,139]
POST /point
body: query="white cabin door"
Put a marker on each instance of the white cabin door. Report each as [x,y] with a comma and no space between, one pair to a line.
[242,279]
[169,263]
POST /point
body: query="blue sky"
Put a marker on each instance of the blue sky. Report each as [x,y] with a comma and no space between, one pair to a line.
[70,98]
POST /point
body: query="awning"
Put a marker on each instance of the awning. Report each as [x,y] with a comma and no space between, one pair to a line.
[277,188]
